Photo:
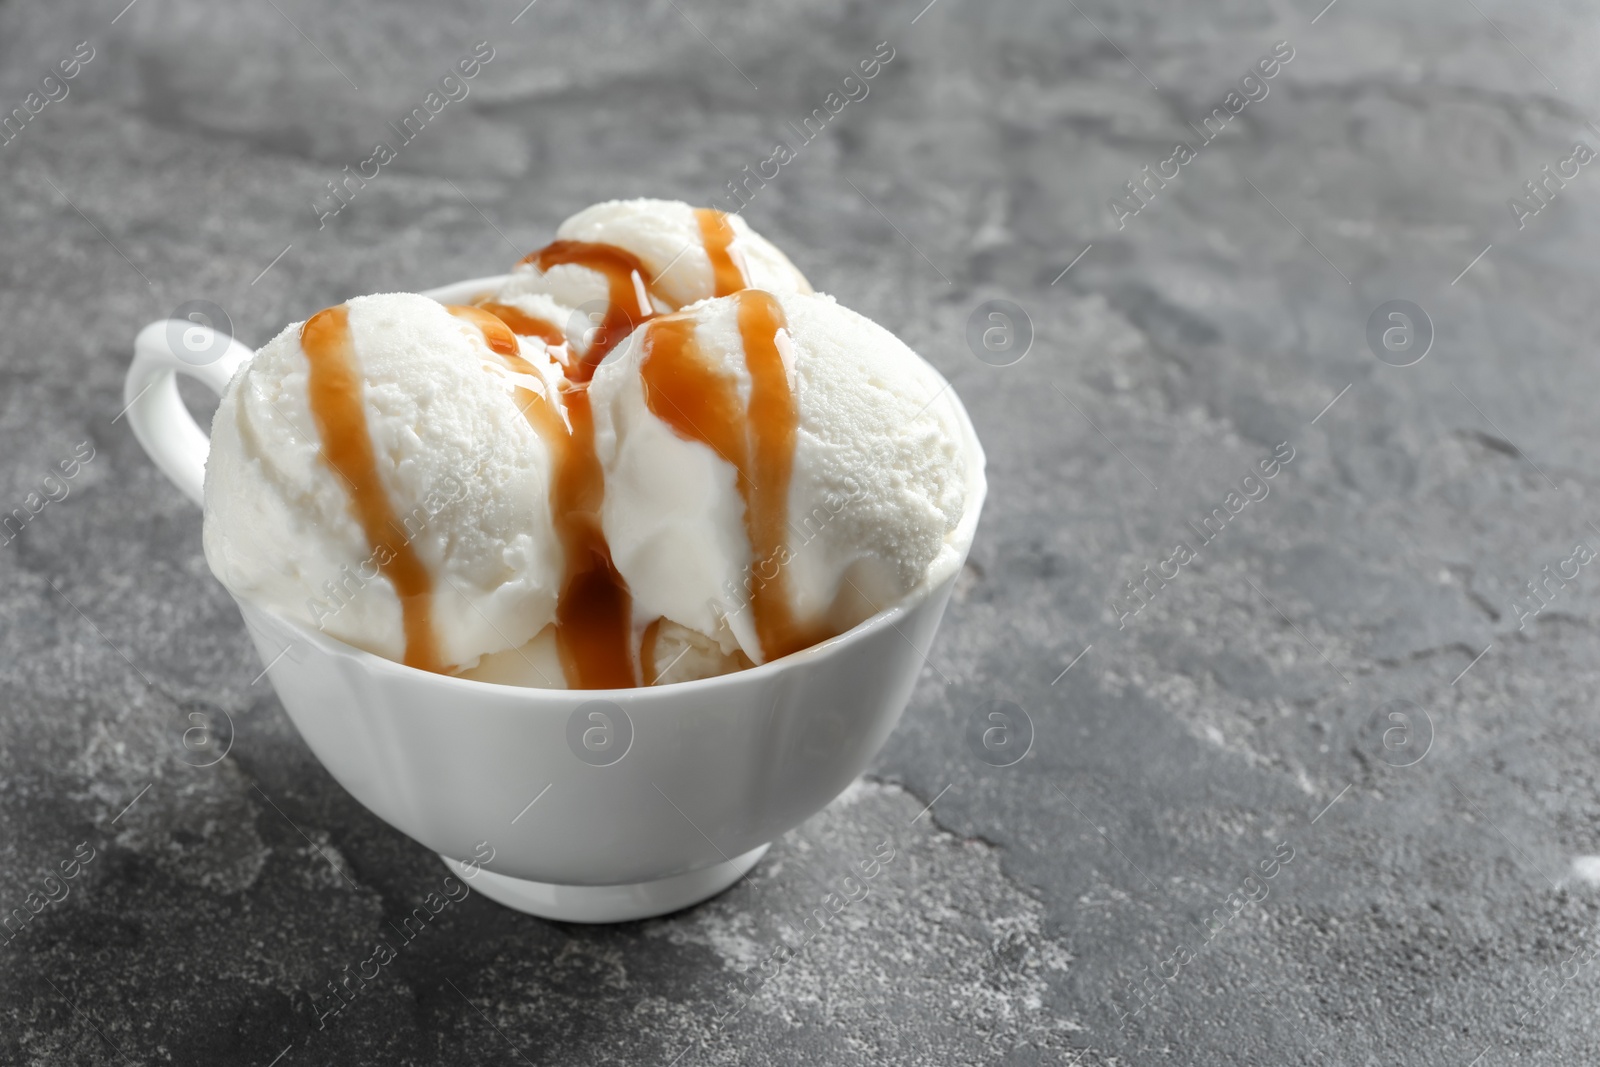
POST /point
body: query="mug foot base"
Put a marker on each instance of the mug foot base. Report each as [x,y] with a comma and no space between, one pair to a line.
[609,903]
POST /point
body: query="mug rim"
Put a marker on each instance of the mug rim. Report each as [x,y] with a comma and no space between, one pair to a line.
[960,539]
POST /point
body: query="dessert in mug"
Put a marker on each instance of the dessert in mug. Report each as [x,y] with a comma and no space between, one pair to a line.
[651,454]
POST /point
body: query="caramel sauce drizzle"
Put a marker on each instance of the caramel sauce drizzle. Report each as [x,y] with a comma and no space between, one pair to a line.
[594,625]
[536,407]
[523,323]
[497,333]
[594,610]
[716,233]
[701,403]
[334,392]
[619,267]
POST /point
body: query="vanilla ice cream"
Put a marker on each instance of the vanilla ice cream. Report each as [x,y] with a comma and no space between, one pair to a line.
[777,468]
[373,474]
[651,454]
[678,253]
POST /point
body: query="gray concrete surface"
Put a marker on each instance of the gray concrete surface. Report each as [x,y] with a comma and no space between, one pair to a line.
[1440,906]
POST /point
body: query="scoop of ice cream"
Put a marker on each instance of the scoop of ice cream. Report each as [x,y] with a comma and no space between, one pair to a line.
[373,473]
[777,468]
[681,254]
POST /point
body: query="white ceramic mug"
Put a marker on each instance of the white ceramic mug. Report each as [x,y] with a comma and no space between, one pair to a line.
[583,806]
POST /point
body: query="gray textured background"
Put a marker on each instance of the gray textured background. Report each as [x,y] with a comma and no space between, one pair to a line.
[1437,913]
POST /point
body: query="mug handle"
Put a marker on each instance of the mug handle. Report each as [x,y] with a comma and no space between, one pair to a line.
[160,421]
